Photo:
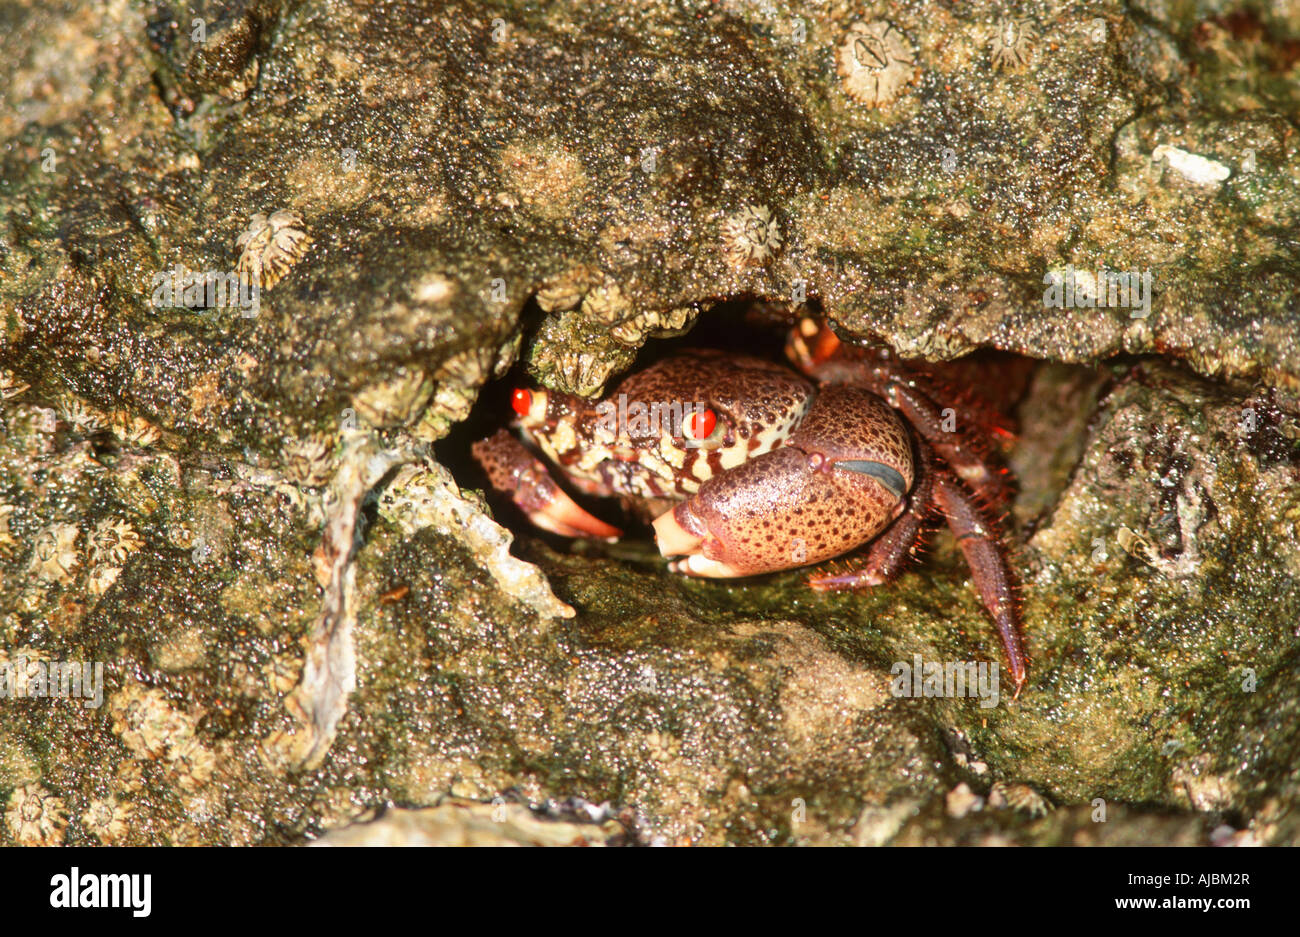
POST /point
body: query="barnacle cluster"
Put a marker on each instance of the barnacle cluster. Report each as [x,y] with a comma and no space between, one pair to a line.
[653,323]
[876,62]
[269,246]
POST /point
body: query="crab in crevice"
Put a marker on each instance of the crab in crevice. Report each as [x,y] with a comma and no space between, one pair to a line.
[746,467]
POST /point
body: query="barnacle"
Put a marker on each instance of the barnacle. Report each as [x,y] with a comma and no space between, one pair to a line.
[564,292]
[81,417]
[457,381]
[112,541]
[308,461]
[106,819]
[607,302]
[1020,797]
[876,62]
[1134,544]
[133,430]
[181,535]
[396,401]
[6,536]
[192,764]
[36,817]
[10,386]
[54,553]
[1013,42]
[750,236]
[101,579]
[283,671]
[146,722]
[269,246]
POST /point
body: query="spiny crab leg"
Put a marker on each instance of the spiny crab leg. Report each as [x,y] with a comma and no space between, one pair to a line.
[515,471]
[925,416]
[979,543]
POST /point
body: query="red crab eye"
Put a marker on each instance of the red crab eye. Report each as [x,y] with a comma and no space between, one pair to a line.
[700,425]
[522,401]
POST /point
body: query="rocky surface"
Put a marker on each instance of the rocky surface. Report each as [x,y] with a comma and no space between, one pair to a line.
[303,620]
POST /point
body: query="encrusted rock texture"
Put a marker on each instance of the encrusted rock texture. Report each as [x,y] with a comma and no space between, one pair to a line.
[430,196]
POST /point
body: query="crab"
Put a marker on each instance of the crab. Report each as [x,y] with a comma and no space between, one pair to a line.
[746,467]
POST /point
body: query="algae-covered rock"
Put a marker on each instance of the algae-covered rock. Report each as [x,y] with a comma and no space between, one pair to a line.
[226,492]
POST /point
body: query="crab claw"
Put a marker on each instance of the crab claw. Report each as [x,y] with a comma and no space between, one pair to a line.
[513,470]
[838,481]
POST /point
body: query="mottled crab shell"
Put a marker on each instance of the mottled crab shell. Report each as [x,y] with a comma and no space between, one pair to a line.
[757,405]
[839,480]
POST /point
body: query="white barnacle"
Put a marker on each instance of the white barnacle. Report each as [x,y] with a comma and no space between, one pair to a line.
[750,236]
[80,417]
[148,724]
[6,535]
[564,292]
[1013,42]
[133,430]
[269,246]
[876,63]
[607,302]
[54,553]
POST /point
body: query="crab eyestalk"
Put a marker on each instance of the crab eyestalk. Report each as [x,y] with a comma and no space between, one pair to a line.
[839,481]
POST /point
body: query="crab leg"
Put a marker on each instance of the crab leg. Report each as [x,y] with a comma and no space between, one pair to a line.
[813,347]
[515,471]
[978,540]
[924,414]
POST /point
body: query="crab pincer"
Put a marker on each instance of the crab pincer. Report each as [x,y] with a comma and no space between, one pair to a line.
[512,468]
